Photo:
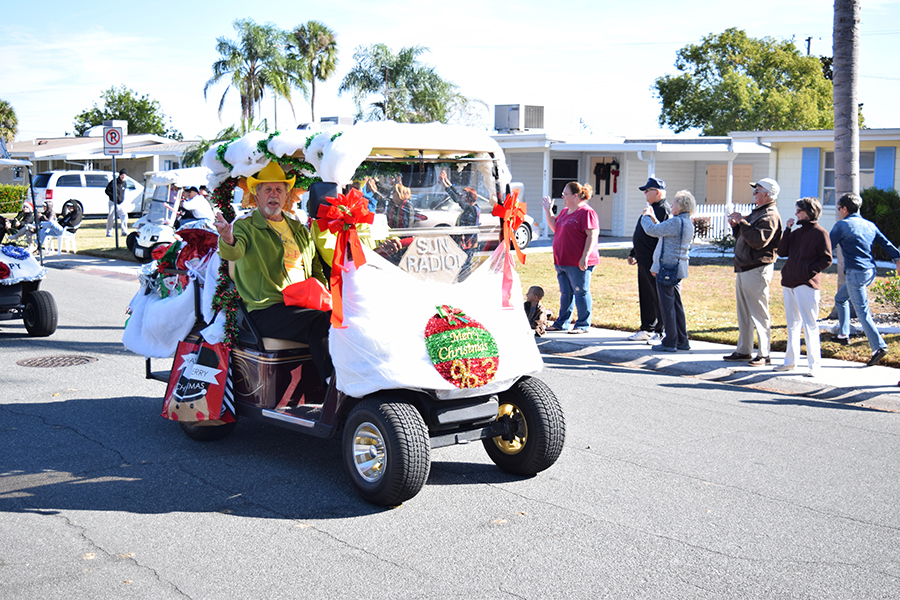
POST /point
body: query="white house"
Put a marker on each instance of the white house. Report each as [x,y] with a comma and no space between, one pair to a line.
[717,170]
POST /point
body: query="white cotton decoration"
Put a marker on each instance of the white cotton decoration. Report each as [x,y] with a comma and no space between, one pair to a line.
[288,142]
[244,156]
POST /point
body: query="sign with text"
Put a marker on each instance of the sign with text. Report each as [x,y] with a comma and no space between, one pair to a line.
[434,259]
[112,141]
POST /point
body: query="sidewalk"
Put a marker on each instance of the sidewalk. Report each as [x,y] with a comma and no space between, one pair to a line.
[843,382]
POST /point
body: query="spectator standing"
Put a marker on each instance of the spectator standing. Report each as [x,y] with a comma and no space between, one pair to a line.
[116,196]
[675,236]
[756,243]
[808,253]
[856,237]
[643,247]
[575,255]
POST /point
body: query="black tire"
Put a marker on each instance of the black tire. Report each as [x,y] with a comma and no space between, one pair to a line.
[40,314]
[538,429]
[523,236]
[207,433]
[131,241]
[387,453]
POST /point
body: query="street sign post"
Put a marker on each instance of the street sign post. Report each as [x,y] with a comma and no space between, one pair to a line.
[112,146]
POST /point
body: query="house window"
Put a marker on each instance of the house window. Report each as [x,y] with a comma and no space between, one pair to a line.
[866,175]
[564,171]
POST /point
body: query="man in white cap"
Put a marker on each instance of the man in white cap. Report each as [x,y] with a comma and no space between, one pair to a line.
[756,238]
[271,250]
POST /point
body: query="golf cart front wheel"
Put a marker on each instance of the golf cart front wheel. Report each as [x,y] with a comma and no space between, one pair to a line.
[40,314]
[387,453]
[536,429]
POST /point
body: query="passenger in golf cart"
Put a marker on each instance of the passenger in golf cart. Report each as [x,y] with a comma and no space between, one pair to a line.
[271,251]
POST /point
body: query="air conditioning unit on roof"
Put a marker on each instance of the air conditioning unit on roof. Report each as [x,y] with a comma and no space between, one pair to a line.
[518,117]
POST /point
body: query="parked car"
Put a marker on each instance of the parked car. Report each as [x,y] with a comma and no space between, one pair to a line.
[87,188]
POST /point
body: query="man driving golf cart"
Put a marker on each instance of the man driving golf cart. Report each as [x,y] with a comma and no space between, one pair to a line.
[271,251]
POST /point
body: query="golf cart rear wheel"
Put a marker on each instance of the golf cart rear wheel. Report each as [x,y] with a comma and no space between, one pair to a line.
[207,432]
[40,314]
[536,429]
[387,453]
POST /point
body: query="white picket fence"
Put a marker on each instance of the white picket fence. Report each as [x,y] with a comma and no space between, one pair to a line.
[718,223]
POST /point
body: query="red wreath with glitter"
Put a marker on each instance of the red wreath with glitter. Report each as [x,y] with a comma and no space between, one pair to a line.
[513,214]
[340,216]
[461,349]
[4,270]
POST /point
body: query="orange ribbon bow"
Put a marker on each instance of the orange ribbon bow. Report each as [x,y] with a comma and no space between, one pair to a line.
[513,214]
[340,216]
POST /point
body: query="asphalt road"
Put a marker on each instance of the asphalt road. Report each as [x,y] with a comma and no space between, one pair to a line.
[669,487]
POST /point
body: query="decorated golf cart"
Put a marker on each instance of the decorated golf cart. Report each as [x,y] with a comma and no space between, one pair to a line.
[20,279]
[429,340]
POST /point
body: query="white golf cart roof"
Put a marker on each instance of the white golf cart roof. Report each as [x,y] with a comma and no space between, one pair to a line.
[187,177]
[336,152]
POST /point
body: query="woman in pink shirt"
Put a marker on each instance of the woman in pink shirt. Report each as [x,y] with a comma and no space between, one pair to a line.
[575,254]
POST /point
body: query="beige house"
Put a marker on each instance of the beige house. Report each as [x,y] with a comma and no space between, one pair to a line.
[142,153]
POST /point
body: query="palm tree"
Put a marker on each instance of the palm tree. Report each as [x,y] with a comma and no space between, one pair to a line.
[410,92]
[9,122]
[846,125]
[254,62]
[846,76]
[316,52]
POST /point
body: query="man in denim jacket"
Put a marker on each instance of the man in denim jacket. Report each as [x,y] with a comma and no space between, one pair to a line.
[856,236]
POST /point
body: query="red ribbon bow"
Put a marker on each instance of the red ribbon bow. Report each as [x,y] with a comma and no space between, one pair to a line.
[451,314]
[513,214]
[340,216]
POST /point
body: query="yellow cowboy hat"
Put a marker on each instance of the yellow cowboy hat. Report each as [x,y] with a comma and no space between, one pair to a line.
[272,172]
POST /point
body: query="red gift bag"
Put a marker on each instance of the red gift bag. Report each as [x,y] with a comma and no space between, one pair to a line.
[197,385]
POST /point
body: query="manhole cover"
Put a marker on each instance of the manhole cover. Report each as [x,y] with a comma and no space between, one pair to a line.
[47,362]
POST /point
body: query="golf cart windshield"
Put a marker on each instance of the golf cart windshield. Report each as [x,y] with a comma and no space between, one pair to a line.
[162,205]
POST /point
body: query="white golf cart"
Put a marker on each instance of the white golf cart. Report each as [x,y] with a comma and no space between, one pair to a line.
[163,195]
[20,279]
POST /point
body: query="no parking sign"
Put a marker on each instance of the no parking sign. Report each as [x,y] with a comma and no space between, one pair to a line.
[112,141]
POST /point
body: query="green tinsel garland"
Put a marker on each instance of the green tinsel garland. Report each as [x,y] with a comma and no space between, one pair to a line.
[226,298]
[220,154]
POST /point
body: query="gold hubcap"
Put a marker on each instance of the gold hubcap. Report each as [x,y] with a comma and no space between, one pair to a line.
[515,445]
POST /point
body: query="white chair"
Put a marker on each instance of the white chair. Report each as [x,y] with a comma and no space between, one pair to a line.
[67,238]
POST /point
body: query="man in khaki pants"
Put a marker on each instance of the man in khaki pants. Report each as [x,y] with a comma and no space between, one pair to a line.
[756,246]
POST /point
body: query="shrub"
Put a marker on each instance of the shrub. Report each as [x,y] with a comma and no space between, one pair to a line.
[882,207]
[11,196]
[724,243]
[701,227]
[887,291]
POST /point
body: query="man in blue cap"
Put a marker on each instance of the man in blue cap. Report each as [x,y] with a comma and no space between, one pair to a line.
[643,246]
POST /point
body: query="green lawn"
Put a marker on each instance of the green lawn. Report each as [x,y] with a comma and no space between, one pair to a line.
[708,295]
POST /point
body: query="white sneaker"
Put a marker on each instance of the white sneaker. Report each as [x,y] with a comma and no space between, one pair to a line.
[654,338]
[641,336]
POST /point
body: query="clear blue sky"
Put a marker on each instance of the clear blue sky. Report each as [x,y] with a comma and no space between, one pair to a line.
[591,60]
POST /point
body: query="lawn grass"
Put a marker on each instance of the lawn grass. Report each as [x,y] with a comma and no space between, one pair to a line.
[709,302]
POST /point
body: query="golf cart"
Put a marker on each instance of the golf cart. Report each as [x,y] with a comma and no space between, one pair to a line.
[433,348]
[163,194]
[20,280]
